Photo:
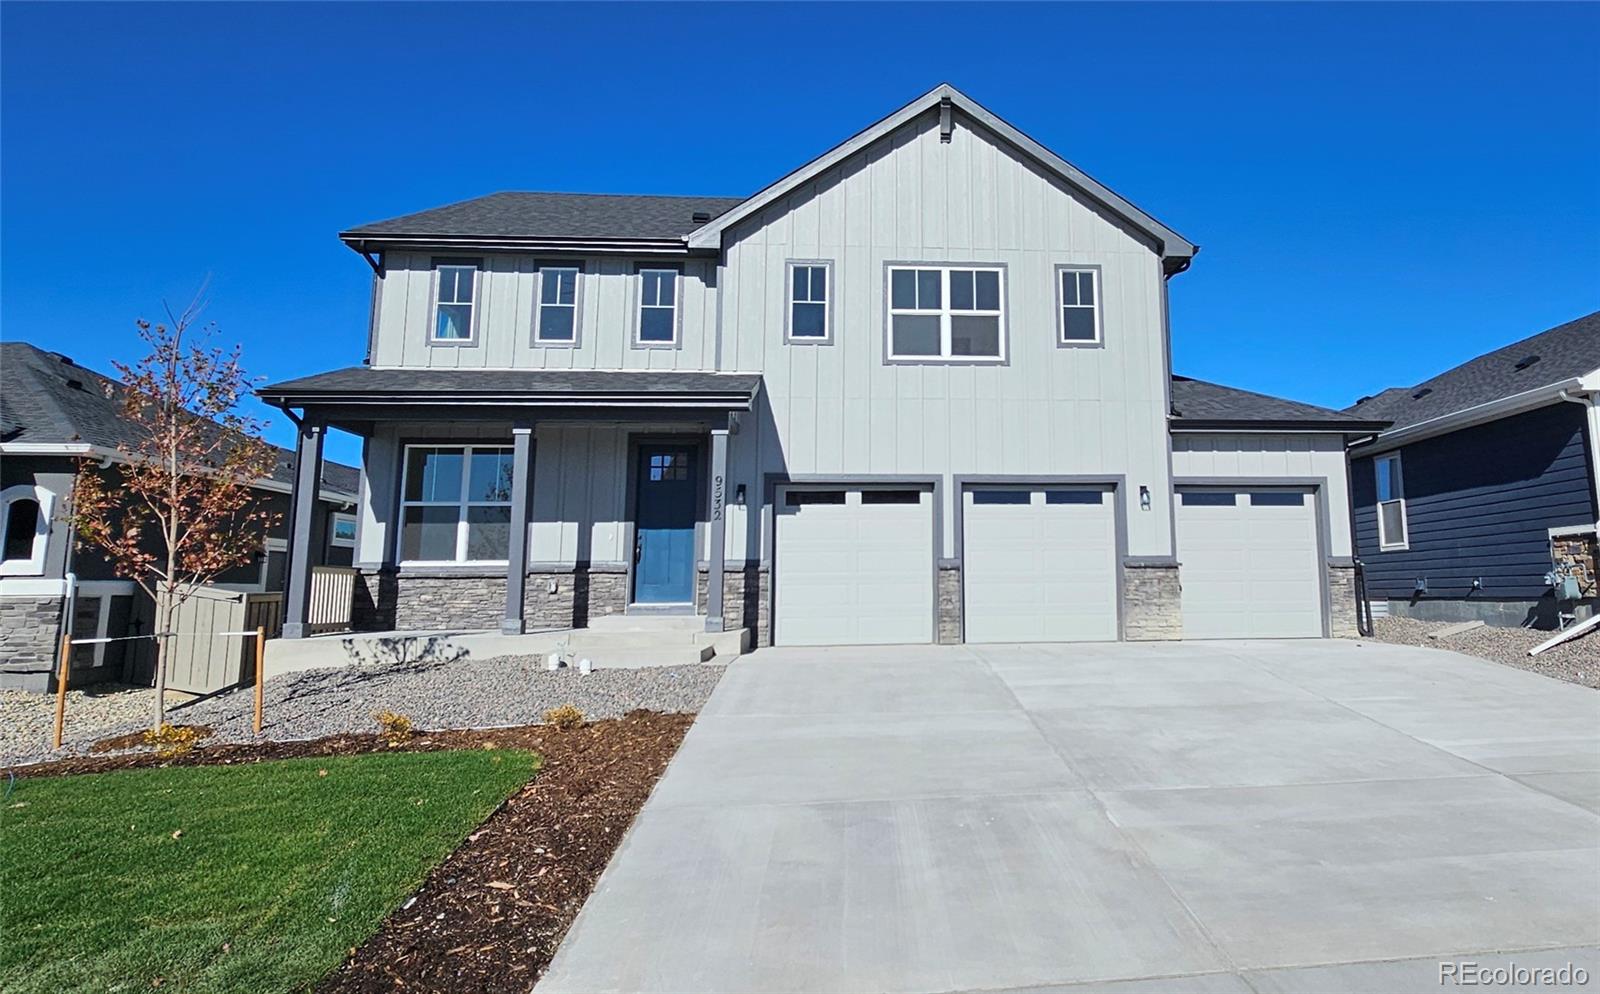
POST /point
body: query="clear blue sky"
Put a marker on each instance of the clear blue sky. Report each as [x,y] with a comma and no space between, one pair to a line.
[1379,192]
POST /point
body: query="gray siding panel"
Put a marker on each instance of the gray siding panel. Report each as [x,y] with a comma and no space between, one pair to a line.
[1479,504]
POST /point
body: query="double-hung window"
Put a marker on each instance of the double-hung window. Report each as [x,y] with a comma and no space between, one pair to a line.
[456,282]
[954,313]
[456,504]
[808,301]
[658,306]
[555,316]
[1391,502]
[1079,287]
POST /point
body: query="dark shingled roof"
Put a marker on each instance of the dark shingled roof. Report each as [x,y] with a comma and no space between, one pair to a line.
[1200,402]
[1564,352]
[47,399]
[555,215]
[459,382]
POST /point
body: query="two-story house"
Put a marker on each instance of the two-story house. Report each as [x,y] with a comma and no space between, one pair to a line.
[917,390]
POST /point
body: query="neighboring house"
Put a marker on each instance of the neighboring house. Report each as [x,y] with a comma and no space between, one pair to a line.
[1481,496]
[53,414]
[916,390]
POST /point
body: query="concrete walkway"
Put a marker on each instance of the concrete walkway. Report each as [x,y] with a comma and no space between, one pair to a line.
[1203,817]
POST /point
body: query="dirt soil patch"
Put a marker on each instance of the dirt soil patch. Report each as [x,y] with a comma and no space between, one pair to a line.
[490,916]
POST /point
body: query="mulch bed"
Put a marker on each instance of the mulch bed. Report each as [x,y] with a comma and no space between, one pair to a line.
[490,916]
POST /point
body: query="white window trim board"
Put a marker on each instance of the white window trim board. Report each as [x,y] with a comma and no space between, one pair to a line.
[461,505]
[830,294]
[945,313]
[46,499]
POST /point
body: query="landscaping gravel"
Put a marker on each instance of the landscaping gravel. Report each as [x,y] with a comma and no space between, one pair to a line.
[1577,661]
[466,693]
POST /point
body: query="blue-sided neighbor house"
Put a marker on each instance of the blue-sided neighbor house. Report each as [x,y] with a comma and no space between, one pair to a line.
[1480,500]
[919,389]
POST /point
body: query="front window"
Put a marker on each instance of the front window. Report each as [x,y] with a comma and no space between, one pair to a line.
[555,321]
[24,530]
[458,283]
[658,306]
[947,313]
[1080,305]
[456,504]
[1391,502]
[343,533]
[808,302]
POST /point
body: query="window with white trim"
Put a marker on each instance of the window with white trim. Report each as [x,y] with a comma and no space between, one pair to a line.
[555,317]
[456,285]
[1079,290]
[24,529]
[342,530]
[456,504]
[808,301]
[658,306]
[953,313]
[1391,501]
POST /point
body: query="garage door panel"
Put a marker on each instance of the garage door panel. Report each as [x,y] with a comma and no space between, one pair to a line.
[1039,565]
[856,572]
[1251,564]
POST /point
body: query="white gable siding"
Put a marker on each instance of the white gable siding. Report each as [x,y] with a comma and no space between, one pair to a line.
[607,314]
[1267,457]
[838,409]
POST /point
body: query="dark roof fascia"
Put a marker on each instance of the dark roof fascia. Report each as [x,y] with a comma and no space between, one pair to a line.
[728,400]
[364,244]
[1351,427]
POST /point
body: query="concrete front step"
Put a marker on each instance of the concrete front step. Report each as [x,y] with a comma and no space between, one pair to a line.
[647,623]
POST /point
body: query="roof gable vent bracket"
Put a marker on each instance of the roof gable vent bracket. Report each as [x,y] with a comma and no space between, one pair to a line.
[946,121]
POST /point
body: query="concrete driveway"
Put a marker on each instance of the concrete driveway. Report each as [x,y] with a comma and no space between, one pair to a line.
[1215,816]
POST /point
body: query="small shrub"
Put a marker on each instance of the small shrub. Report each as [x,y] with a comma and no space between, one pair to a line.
[394,727]
[565,717]
[172,740]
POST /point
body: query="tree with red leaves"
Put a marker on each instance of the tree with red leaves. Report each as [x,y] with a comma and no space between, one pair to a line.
[178,509]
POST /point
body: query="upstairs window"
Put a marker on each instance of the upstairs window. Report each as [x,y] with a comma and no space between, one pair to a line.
[1391,502]
[555,317]
[658,306]
[24,529]
[1079,288]
[808,301]
[955,314]
[456,504]
[457,281]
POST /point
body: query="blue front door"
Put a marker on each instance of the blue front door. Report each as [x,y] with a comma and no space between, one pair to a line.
[663,553]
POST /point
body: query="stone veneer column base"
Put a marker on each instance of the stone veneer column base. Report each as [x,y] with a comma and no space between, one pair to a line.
[949,592]
[29,627]
[1342,601]
[1152,602]
[746,600]
[386,600]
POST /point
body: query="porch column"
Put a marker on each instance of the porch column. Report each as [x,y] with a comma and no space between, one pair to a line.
[719,529]
[517,553]
[302,516]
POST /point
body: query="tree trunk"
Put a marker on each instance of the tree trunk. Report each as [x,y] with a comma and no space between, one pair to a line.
[164,611]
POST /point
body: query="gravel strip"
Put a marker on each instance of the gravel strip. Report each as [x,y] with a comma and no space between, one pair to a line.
[466,693]
[1577,661]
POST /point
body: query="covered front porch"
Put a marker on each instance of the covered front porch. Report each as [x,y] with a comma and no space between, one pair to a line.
[524,501]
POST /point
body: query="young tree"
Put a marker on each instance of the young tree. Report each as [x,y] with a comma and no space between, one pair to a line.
[177,509]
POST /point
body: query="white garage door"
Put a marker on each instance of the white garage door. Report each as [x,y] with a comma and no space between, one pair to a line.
[853,566]
[1039,565]
[1250,564]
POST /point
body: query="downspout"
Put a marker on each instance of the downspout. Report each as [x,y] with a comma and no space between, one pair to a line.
[1363,606]
[1592,404]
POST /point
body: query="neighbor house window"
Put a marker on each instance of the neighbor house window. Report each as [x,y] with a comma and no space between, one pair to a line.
[658,306]
[808,301]
[456,504]
[1391,502]
[343,531]
[24,529]
[953,313]
[457,281]
[555,317]
[1079,288]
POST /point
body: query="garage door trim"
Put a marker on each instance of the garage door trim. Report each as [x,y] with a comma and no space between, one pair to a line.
[1116,484]
[1317,486]
[773,483]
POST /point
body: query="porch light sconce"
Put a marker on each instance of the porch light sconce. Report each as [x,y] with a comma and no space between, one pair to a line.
[1144,498]
[738,495]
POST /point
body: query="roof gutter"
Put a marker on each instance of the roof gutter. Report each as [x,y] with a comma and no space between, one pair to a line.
[1517,403]
[733,400]
[366,244]
[109,457]
[1276,427]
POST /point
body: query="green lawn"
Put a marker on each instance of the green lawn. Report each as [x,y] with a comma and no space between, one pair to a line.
[278,869]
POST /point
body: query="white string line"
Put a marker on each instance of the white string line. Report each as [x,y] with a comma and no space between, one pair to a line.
[193,635]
